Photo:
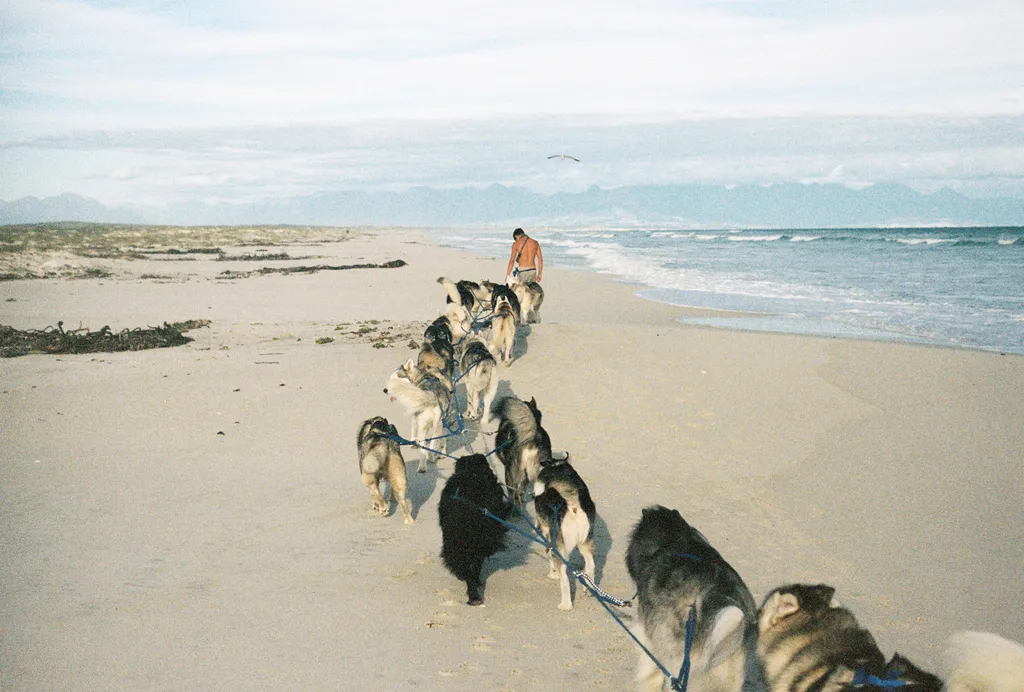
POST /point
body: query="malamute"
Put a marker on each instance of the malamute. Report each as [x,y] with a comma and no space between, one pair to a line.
[565,509]
[480,373]
[675,568]
[808,640]
[503,331]
[521,444]
[380,457]
[426,396]
[531,297]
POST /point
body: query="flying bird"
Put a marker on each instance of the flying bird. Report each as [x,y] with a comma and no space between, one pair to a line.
[564,157]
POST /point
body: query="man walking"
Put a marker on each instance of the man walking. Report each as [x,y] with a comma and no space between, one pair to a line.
[526,257]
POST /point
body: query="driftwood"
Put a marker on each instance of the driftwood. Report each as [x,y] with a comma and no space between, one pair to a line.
[15,342]
[393,264]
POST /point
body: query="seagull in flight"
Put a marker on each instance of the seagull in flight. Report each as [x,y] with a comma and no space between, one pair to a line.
[564,157]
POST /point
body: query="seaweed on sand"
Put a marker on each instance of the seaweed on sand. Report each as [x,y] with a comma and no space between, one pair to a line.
[16,342]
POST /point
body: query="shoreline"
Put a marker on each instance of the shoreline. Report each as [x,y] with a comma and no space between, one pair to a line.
[145,549]
[776,321]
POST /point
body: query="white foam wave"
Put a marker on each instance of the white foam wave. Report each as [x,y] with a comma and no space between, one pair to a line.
[805,238]
[1006,241]
[756,238]
[925,241]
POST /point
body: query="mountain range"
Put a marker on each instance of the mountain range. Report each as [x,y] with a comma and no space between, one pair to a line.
[789,205]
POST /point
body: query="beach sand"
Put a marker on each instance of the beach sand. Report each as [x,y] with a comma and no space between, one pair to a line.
[193,517]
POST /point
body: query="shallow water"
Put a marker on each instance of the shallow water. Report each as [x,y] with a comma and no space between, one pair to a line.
[959,287]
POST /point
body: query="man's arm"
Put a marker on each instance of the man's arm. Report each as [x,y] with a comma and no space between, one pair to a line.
[540,262]
[511,259]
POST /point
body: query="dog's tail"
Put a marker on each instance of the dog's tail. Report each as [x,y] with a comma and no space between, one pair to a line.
[982,661]
[453,290]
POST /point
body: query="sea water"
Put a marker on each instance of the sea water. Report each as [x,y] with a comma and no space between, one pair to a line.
[959,287]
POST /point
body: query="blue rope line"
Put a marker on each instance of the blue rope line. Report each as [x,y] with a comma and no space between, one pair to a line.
[862,678]
[679,683]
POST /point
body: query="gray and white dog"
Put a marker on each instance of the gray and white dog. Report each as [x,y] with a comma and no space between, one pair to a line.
[380,458]
[504,322]
[522,445]
[675,568]
[531,297]
[480,375]
[426,395]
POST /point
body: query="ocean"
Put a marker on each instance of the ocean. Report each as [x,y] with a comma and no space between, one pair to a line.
[957,287]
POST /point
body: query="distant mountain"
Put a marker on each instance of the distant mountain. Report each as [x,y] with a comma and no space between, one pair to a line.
[65,207]
[790,205]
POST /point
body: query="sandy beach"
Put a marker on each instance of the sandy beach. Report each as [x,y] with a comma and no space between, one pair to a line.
[192,518]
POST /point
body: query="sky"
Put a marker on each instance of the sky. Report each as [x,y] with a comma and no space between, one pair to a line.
[151,102]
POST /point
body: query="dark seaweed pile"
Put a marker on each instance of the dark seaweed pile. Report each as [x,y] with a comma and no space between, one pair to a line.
[16,342]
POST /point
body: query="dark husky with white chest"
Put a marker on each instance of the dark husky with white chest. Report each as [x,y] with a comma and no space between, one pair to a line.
[468,537]
[380,458]
[566,513]
[675,568]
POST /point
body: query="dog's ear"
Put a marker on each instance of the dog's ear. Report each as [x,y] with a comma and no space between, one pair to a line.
[411,363]
[777,607]
[392,430]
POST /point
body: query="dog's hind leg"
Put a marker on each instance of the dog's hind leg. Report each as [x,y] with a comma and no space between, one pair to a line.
[371,481]
[587,551]
[488,399]
[563,576]
[650,676]
[418,436]
[474,586]
[399,484]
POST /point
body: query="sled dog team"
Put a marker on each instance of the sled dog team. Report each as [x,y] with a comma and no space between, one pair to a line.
[799,639]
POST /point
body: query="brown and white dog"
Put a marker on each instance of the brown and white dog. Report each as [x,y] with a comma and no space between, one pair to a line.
[380,458]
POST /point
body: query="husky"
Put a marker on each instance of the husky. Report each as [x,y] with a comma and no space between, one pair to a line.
[808,640]
[531,297]
[480,373]
[468,294]
[498,291]
[437,352]
[458,315]
[426,395]
[468,537]
[565,509]
[675,568]
[380,457]
[522,445]
[983,662]
[503,331]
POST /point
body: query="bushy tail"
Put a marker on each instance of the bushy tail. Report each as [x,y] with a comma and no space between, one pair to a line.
[983,662]
[453,290]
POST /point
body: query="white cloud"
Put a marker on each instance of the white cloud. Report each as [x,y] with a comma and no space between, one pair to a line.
[177,97]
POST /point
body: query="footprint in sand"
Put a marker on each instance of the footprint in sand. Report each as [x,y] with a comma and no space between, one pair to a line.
[463,667]
[446,598]
[482,643]
[401,575]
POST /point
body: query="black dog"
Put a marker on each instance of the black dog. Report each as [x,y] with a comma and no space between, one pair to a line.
[468,537]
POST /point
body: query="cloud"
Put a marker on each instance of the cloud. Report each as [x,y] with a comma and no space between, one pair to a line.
[283,62]
[257,163]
